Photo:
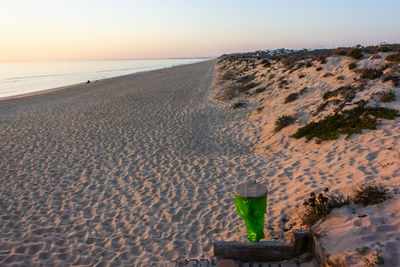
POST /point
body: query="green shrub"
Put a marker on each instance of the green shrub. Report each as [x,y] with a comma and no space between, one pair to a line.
[370,194]
[388,96]
[283,121]
[292,97]
[371,74]
[309,64]
[352,65]
[318,68]
[393,58]
[348,122]
[355,53]
[301,76]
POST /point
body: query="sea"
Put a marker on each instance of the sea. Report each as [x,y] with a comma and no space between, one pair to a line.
[21,78]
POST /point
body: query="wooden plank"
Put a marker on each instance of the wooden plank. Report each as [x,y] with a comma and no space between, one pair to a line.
[257,251]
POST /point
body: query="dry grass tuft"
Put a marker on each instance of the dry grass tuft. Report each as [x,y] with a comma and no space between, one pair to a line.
[370,194]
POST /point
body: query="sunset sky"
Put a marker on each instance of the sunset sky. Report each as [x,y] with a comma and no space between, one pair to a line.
[88,30]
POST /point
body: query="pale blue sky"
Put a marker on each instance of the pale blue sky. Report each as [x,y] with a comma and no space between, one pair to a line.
[88,29]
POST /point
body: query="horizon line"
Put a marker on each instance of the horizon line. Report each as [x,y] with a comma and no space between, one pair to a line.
[111,59]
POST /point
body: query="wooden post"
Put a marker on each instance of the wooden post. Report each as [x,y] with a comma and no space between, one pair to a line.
[302,241]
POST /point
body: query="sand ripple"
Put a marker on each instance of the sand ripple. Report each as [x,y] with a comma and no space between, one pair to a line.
[131,170]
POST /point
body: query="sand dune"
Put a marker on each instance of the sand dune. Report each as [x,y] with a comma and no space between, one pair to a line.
[296,167]
[128,171]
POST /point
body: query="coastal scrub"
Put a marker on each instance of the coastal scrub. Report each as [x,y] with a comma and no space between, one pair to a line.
[319,206]
[283,121]
[348,122]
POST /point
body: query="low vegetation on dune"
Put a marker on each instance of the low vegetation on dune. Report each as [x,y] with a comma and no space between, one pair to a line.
[317,207]
[324,95]
[370,194]
[388,96]
[328,74]
[355,53]
[371,74]
[394,78]
[284,121]
[261,74]
[393,58]
[348,122]
[291,97]
[234,90]
[228,75]
[352,65]
[309,64]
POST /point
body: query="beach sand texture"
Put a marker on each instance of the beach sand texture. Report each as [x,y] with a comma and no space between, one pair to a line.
[130,170]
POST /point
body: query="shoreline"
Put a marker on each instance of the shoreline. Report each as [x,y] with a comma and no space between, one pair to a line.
[51,90]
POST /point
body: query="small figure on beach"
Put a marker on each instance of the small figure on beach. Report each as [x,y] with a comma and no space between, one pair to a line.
[88,81]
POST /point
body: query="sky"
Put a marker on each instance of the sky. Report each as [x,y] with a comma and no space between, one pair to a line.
[45,30]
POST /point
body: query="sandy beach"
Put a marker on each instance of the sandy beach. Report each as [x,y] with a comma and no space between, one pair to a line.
[140,169]
[130,170]
[200,133]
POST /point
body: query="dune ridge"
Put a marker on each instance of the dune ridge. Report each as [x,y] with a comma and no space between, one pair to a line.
[308,87]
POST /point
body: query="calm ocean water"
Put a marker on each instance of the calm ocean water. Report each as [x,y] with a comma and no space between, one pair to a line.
[21,78]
